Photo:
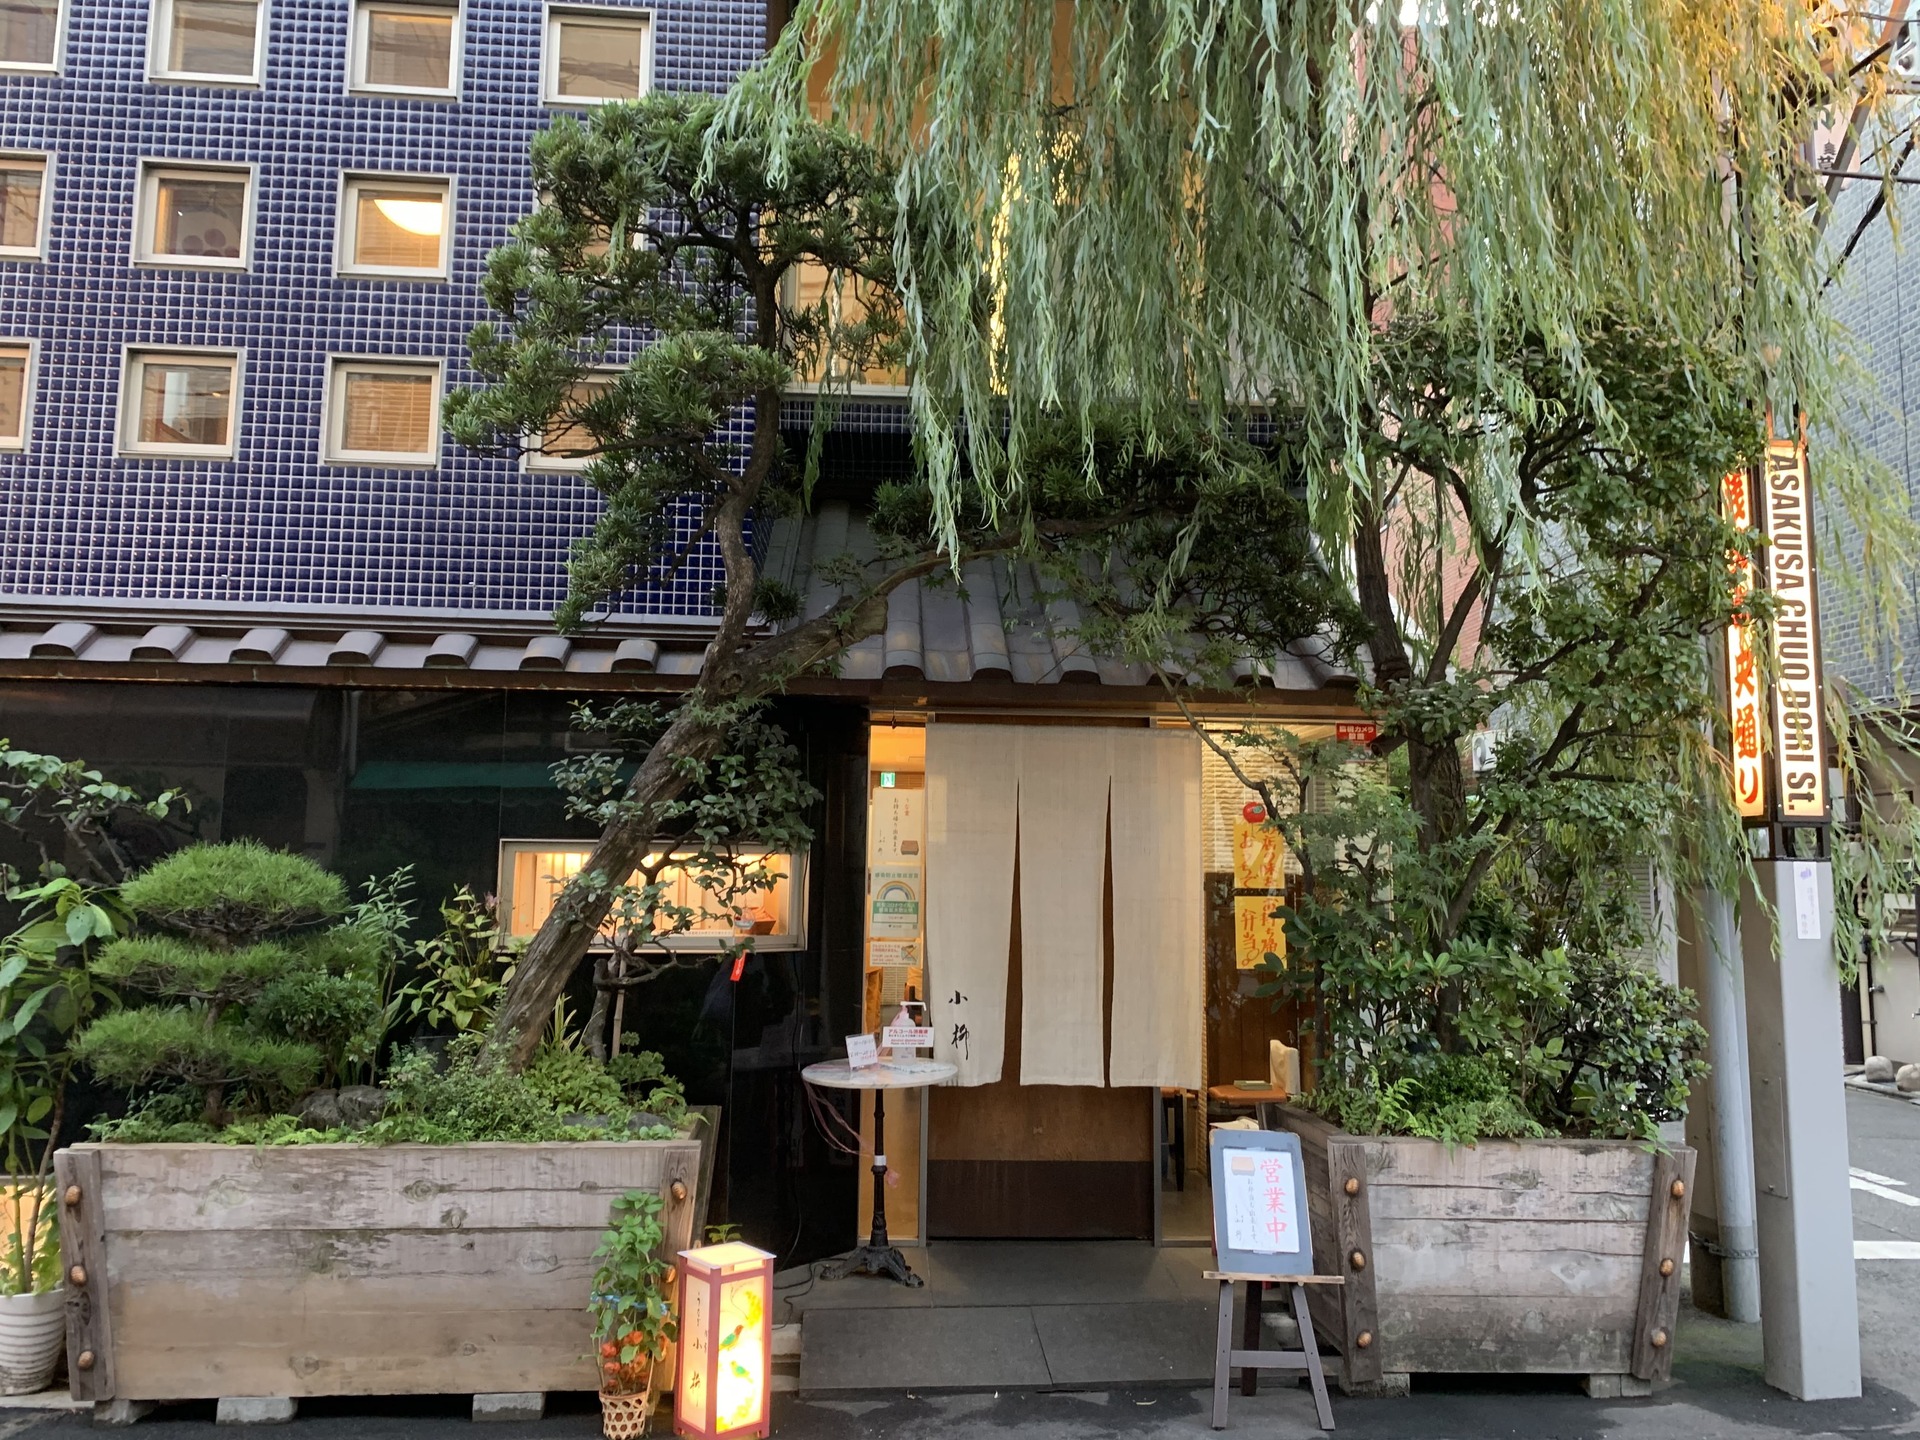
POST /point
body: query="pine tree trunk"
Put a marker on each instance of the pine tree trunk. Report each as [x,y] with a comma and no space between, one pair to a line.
[557,949]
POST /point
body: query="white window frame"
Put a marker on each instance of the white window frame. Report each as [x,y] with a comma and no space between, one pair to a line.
[347,219]
[160,30]
[146,212]
[332,416]
[357,48]
[37,250]
[8,444]
[790,298]
[133,360]
[62,9]
[558,15]
[534,458]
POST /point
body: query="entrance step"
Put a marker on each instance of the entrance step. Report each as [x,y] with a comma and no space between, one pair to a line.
[1019,1347]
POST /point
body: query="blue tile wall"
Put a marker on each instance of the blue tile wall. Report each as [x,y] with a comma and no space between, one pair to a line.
[273,526]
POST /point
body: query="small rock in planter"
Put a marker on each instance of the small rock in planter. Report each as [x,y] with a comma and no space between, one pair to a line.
[320,1110]
[1907,1080]
[1879,1069]
[361,1105]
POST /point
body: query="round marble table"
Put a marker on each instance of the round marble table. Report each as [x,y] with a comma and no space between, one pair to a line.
[878,1256]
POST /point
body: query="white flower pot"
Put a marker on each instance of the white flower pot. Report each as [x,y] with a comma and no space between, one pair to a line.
[33,1328]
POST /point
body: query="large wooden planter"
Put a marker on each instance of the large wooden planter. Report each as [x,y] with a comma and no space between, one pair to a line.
[198,1271]
[1528,1256]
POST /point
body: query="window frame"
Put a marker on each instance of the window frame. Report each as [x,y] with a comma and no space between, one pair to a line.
[358,40]
[347,223]
[44,231]
[556,15]
[789,298]
[708,943]
[133,361]
[146,212]
[62,11]
[24,442]
[332,415]
[160,30]
[533,458]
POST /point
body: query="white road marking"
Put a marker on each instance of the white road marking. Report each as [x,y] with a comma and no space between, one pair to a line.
[1877,1179]
[1884,1192]
[1886,1249]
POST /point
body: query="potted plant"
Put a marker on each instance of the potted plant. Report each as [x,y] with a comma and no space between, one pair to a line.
[632,1309]
[33,1323]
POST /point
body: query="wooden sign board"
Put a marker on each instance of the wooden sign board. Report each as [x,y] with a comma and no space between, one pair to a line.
[1260,1203]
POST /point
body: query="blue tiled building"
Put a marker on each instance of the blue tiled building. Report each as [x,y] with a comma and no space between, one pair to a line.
[125,183]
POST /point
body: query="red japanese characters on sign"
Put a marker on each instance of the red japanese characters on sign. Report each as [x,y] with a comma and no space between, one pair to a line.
[1746,701]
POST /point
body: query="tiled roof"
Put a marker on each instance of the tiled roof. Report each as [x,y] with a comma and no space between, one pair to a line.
[999,626]
[1001,622]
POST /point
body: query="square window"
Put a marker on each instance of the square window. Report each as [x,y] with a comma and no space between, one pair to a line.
[179,403]
[194,216]
[594,56]
[218,40]
[405,49]
[23,205]
[30,34]
[16,393]
[383,412]
[394,226]
[567,444]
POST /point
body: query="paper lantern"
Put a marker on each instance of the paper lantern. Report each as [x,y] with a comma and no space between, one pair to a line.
[726,1340]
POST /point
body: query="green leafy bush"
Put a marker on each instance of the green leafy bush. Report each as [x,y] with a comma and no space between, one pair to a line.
[341,1015]
[239,889]
[135,1047]
[574,1083]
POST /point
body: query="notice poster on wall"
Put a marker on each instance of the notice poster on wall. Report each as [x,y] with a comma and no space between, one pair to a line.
[896,827]
[1262,1216]
[1259,852]
[894,906]
[1257,931]
[894,954]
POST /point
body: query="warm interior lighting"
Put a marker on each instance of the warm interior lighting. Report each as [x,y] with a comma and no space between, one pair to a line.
[725,1339]
[416,217]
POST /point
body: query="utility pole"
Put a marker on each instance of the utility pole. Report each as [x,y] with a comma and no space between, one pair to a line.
[1810,1319]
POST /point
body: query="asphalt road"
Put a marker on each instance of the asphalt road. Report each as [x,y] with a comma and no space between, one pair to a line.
[1716,1394]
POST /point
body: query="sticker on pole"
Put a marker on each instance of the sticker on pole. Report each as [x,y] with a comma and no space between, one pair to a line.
[1806,900]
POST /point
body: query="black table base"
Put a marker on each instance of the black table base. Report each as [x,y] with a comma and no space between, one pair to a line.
[878,1256]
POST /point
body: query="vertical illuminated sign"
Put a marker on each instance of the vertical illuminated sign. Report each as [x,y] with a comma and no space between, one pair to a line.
[1799,729]
[1746,700]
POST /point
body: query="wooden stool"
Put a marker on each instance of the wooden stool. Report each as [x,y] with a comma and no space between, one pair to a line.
[1253,1359]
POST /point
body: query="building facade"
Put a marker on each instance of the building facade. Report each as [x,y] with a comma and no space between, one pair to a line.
[241,244]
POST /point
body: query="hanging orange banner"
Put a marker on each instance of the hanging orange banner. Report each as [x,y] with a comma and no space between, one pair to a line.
[1746,703]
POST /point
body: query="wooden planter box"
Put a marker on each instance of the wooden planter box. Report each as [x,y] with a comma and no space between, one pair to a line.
[207,1271]
[1513,1256]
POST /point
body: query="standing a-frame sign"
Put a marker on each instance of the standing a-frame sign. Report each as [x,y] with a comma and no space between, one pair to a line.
[1261,1237]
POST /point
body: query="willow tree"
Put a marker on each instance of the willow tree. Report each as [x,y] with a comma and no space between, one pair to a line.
[653,311]
[1205,208]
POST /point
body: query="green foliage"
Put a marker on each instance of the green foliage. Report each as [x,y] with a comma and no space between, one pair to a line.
[1530,1020]
[574,1083]
[642,1076]
[632,1298]
[134,1047]
[63,809]
[226,893]
[601,255]
[165,965]
[459,974]
[342,1015]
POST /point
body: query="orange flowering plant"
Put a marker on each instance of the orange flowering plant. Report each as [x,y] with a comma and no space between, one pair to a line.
[632,1301]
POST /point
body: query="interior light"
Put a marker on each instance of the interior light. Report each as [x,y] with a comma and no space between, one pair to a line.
[416,217]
